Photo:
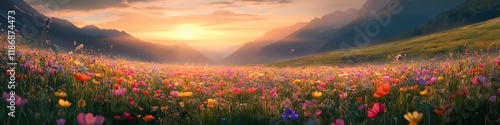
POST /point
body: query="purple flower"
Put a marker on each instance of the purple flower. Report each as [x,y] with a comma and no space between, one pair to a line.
[387,78]
[493,99]
[290,114]
[61,121]
[120,92]
[362,106]
[19,101]
[89,119]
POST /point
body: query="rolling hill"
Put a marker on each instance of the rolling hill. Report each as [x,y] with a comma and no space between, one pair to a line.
[474,36]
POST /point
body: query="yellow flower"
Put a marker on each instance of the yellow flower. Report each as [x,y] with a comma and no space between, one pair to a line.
[185,94]
[440,78]
[64,103]
[316,94]
[413,118]
[211,103]
[297,81]
[81,103]
[98,75]
[425,92]
[60,94]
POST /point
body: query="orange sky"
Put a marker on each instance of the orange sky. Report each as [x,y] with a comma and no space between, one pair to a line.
[200,23]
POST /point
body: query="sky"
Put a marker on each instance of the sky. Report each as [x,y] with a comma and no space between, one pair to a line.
[212,24]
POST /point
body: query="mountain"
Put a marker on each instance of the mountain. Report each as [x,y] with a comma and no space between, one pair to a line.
[308,38]
[63,33]
[434,46]
[472,11]
[397,17]
[249,49]
[212,54]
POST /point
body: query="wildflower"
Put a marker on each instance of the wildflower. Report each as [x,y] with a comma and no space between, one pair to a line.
[316,94]
[362,106]
[290,114]
[89,119]
[425,92]
[493,99]
[128,116]
[413,118]
[211,103]
[439,110]
[236,90]
[382,90]
[252,90]
[120,92]
[377,109]
[338,122]
[174,93]
[19,101]
[81,103]
[185,94]
[498,91]
[440,78]
[318,112]
[60,94]
[60,121]
[163,108]
[64,104]
[148,118]
[136,90]
[117,117]
[81,77]
[497,61]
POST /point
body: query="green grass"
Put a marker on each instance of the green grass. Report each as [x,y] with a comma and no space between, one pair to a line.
[478,36]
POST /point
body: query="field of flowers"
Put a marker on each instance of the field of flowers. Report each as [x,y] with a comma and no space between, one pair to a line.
[70,88]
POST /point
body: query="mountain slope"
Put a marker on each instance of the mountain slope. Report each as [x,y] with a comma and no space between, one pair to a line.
[472,11]
[307,39]
[477,37]
[63,34]
[251,48]
[396,17]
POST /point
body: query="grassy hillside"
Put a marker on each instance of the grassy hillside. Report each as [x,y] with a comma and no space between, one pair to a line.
[476,36]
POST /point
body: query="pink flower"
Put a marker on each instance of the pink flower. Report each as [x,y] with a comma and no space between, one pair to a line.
[376,110]
[120,92]
[338,122]
[174,93]
[89,119]
[135,90]
[318,112]
[19,101]
[498,91]
[142,83]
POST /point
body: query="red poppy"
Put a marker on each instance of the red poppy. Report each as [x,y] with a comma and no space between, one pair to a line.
[382,90]
[376,110]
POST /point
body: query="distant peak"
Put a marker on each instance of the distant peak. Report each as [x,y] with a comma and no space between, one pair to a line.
[91,27]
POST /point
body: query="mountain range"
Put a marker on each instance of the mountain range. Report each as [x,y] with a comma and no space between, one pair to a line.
[376,22]
[64,34]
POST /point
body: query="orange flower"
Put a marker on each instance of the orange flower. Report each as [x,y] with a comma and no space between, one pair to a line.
[252,90]
[148,118]
[382,90]
[81,77]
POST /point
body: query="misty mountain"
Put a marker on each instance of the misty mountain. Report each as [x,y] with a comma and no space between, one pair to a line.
[63,33]
[470,12]
[249,49]
[397,17]
[305,40]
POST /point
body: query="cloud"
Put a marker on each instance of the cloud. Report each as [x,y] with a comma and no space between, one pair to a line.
[83,5]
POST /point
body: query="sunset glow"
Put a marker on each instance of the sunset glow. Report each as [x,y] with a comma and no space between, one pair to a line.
[198,23]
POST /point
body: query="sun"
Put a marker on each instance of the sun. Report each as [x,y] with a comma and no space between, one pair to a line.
[188,32]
